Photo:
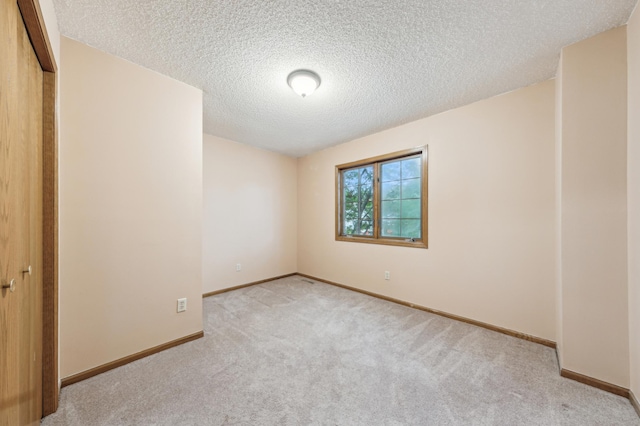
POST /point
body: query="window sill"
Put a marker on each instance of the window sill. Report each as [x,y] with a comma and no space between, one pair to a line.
[384,242]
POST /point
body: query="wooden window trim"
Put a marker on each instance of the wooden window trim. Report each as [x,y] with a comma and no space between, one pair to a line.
[375,161]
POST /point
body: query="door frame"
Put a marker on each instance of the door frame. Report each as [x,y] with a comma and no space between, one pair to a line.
[34,23]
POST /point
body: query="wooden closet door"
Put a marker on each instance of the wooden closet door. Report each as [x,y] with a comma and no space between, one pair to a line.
[20,222]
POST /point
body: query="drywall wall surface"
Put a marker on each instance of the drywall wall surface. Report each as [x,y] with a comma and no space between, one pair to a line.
[558,206]
[491,214]
[250,214]
[633,190]
[594,208]
[130,208]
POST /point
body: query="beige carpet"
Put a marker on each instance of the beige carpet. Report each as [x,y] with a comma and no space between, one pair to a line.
[289,352]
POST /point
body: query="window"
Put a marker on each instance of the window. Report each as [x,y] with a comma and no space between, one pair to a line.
[383,200]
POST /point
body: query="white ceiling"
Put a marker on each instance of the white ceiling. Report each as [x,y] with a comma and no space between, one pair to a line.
[382,63]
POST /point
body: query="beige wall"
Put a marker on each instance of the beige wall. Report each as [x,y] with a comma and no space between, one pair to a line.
[594,208]
[130,208]
[250,214]
[633,182]
[491,214]
[558,208]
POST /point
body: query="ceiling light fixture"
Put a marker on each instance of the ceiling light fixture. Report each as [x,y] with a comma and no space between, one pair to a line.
[303,82]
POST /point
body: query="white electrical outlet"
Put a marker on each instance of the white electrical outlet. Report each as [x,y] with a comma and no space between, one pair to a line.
[238,267]
[387,275]
[182,304]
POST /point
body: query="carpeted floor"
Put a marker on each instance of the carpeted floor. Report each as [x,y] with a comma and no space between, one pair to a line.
[290,352]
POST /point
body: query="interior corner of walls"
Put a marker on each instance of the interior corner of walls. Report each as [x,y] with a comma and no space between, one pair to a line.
[238,249]
[559,354]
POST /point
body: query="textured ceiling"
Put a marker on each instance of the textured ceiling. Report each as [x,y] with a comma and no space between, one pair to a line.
[382,63]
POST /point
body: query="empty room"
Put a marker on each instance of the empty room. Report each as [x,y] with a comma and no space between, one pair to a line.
[319,212]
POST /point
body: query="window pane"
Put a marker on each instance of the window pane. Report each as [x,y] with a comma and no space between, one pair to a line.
[350,194]
[357,201]
[367,175]
[391,190]
[366,228]
[369,210]
[411,188]
[391,209]
[350,218]
[391,171]
[351,177]
[410,228]
[390,228]
[411,168]
[410,209]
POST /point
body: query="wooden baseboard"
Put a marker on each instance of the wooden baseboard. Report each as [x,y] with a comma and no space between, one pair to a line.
[506,331]
[634,402]
[126,360]
[224,290]
[605,386]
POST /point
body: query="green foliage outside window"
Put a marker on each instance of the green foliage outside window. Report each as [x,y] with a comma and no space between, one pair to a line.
[358,201]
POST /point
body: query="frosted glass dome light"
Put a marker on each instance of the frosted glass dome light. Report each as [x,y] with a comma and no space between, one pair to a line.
[303,82]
